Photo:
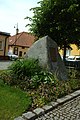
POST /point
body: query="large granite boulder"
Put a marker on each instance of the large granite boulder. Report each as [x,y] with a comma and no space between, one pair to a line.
[46,51]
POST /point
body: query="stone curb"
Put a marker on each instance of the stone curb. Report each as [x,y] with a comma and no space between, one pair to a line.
[45,109]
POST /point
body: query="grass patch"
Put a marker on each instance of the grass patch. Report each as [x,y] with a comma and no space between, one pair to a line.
[13,102]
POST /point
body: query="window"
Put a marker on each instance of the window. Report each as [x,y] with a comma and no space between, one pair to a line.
[23,47]
[24,53]
[68,51]
[20,53]
[1,45]
[15,50]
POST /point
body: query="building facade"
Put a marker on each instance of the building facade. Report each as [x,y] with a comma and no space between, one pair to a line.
[74,50]
[4,37]
[19,43]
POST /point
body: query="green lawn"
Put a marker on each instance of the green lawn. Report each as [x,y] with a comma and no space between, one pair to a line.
[13,102]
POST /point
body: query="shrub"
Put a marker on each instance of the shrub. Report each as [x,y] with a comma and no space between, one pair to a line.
[74,73]
[46,93]
[6,77]
[25,68]
[74,84]
[27,73]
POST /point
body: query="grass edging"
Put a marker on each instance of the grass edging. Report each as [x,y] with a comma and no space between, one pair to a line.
[32,115]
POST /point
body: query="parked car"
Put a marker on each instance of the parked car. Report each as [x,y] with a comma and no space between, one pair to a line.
[12,56]
[77,58]
[70,58]
[73,58]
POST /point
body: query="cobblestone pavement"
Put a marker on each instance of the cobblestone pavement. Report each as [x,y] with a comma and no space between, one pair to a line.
[5,64]
[68,111]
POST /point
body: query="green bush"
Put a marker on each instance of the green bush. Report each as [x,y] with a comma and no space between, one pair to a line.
[25,68]
[46,93]
[6,76]
[27,73]
[74,73]
[43,76]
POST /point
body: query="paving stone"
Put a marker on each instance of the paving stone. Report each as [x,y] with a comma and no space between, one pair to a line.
[66,111]
[38,111]
[54,104]
[29,116]
[64,99]
[76,93]
[47,108]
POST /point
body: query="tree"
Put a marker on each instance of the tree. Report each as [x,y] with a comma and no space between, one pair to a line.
[60,19]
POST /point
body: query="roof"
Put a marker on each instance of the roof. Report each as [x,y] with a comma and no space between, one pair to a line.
[23,39]
[4,33]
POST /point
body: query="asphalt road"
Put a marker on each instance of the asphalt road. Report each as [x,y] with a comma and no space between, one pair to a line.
[5,64]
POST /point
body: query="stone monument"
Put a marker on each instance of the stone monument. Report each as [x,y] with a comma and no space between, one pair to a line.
[46,51]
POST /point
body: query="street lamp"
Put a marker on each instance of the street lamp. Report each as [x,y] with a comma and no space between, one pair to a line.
[17,30]
[16,48]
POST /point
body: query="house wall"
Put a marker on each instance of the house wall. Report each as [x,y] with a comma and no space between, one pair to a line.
[3,39]
[22,49]
[75,50]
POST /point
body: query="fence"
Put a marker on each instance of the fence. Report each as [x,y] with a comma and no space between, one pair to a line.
[73,68]
[73,64]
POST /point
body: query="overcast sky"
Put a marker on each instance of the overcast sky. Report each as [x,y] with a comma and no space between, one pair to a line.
[13,12]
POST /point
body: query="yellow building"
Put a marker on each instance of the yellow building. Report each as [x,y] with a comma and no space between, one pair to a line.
[4,45]
[74,50]
[19,43]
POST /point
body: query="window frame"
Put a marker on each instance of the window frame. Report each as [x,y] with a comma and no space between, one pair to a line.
[1,47]
[16,50]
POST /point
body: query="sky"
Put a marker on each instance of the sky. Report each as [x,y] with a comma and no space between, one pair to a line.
[13,12]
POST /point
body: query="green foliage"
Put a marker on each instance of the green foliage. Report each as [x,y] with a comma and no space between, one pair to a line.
[60,19]
[25,68]
[44,77]
[74,84]
[42,86]
[73,73]
[46,93]
[27,74]
[6,76]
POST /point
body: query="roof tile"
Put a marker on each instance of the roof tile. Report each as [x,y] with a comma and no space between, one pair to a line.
[22,39]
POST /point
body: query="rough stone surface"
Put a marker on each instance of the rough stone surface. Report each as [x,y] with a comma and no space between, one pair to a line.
[46,51]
